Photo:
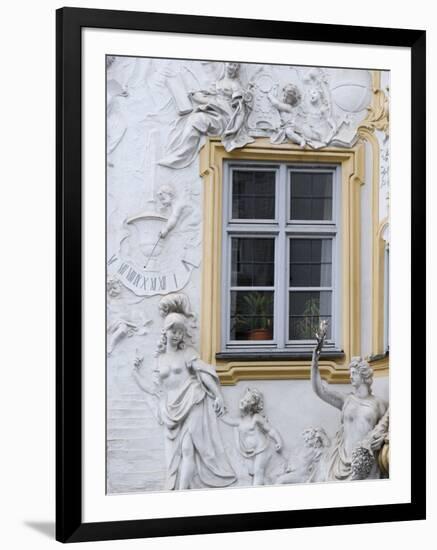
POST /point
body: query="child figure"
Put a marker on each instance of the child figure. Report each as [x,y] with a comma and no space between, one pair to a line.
[291,112]
[254,434]
[306,465]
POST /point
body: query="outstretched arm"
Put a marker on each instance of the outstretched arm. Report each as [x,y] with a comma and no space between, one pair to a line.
[331,397]
[274,435]
[152,390]
[173,220]
[280,105]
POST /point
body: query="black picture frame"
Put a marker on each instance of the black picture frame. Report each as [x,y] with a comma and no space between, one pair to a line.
[70,22]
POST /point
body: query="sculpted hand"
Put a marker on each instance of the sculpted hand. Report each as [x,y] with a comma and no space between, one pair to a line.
[156,378]
[138,362]
[320,337]
[219,406]
[375,441]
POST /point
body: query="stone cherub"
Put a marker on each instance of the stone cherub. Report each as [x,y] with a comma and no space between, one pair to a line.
[170,211]
[173,209]
[254,434]
[289,108]
[306,115]
[305,466]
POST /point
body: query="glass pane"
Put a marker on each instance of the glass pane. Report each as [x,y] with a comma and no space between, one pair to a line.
[253,195]
[310,196]
[306,311]
[310,262]
[251,315]
[253,262]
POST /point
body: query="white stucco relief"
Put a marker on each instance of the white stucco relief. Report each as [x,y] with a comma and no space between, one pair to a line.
[364,423]
[384,174]
[312,107]
[123,318]
[159,114]
[221,110]
[188,403]
[303,466]
[256,439]
[149,260]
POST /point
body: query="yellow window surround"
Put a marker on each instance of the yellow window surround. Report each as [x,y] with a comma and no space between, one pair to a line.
[352,164]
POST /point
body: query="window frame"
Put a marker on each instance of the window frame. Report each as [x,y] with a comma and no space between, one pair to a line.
[282,229]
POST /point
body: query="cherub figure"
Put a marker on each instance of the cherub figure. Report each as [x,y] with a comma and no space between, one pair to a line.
[319,121]
[168,206]
[288,107]
[254,434]
[122,327]
[305,467]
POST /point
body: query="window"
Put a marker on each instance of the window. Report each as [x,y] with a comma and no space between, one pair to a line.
[280,252]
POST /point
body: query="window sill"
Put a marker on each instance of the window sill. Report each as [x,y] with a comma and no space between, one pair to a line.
[283,355]
[378,357]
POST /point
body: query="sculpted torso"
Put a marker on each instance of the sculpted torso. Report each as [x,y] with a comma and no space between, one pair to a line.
[228,87]
[250,434]
[172,371]
[360,416]
[223,90]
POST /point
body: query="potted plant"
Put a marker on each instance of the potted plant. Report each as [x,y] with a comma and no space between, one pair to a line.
[307,326]
[257,316]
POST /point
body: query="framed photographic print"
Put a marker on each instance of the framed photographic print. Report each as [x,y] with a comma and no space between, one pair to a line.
[241,274]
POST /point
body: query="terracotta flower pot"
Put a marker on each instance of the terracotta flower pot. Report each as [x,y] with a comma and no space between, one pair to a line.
[260,334]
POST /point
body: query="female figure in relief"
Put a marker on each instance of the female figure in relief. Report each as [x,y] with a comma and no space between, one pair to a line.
[220,111]
[364,421]
[189,402]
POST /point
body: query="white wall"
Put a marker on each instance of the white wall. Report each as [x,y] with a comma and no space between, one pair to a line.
[27,229]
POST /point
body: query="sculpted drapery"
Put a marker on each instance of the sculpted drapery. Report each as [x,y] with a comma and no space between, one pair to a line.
[219,111]
[189,401]
[189,413]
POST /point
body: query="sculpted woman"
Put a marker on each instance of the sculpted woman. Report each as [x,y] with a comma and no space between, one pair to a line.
[189,402]
[220,111]
[364,422]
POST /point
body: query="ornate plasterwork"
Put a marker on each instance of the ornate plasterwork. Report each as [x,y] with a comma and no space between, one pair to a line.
[364,424]
[303,466]
[256,439]
[122,326]
[304,106]
[378,112]
[187,401]
[116,124]
[124,320]
[151,204]
[150,261]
